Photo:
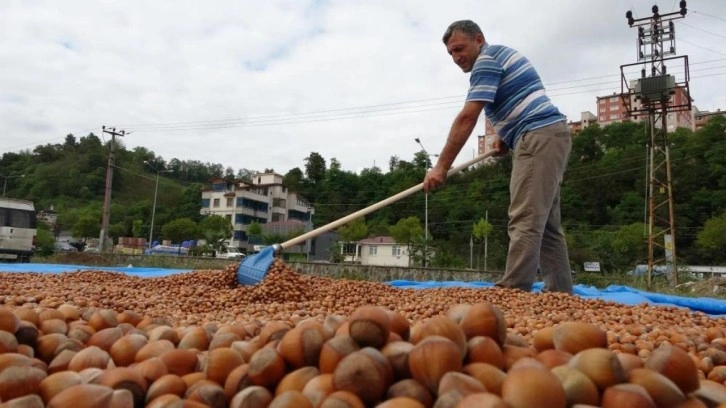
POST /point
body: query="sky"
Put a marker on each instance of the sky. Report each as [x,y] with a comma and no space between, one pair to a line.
[261,84]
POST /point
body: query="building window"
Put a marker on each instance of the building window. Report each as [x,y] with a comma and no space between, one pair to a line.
[615,107]
[602,110]
[205,203]
[230,202]
[228,217]
[602,118]
[396,250]
[613,99]
[372,250]
[601,102]
[279,202]
[613,116]
[215,203]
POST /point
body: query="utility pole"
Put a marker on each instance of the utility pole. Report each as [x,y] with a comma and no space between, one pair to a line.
[103,243]
[426,205]
[486,241]
[654,96]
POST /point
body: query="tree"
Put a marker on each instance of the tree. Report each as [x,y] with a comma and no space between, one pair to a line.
[254,228]
[422,160]
[712,238]
[393,163]
[86,226]
[407,230]
[116,230]
[180,229]
[293,179]
[254,233]
[315,168]
[480,231]
[136,228]
[44,240]
[245,175]
[216,229]
[354,230]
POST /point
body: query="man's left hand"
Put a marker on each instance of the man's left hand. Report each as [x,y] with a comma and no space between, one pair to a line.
[434,179]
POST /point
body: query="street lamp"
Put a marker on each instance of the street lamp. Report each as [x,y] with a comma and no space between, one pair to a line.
[156,192]
[5,184]
[426,201]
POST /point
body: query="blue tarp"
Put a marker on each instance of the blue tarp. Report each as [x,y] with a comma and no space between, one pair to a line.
[613,293]
[57,268]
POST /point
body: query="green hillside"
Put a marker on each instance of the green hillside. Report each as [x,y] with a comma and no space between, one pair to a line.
[603,205]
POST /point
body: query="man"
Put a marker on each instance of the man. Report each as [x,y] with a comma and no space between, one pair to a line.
[504,84]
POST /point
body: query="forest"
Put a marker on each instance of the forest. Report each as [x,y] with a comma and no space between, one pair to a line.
[603,195]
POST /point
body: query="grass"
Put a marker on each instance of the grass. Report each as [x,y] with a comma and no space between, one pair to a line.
[659,284]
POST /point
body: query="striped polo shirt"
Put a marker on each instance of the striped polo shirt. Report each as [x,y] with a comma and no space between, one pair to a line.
[514,95]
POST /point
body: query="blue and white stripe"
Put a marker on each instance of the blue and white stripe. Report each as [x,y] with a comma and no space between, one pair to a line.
[515,97]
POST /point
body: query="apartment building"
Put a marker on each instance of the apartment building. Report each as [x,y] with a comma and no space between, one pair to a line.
[586,119]
[485,141]
[265,200]
[613,108]
[700,118]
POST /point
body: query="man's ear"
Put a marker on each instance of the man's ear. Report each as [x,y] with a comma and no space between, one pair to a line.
[480,39]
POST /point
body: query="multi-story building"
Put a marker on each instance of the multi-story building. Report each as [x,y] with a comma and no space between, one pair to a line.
[265,200]
[485,141]
[586,119]
[700,118]
[613,108]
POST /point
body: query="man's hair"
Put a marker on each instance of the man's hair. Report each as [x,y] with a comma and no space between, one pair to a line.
[467,27]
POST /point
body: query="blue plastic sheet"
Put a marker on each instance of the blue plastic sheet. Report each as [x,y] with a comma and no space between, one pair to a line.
[58,268]
[613,293]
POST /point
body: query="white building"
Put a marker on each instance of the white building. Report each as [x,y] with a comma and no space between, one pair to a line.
[382,251]
[264,200]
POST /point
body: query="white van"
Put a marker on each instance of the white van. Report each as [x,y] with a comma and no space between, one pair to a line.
[18,225]
[230,253]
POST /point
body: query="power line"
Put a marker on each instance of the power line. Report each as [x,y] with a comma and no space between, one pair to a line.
[709,15]
[221,123]
[420,106]
[702,30]
[323,117]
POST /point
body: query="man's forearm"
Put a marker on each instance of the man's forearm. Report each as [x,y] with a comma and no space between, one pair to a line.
[458,135]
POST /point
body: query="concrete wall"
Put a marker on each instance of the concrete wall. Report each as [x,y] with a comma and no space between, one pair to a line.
[331,270]
[389,273]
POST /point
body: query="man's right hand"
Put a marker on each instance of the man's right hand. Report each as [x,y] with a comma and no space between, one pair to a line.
[434,179]
[499,147]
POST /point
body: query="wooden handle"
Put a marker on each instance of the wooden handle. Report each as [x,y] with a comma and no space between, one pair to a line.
[365,211]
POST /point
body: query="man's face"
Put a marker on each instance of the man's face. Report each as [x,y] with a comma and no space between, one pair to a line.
[464,49]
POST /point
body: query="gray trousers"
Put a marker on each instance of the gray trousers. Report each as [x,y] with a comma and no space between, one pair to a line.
[536,238]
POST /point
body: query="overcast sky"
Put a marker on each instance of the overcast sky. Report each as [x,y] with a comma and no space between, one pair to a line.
[261,84]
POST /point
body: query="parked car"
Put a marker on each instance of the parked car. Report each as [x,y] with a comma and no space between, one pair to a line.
[61,246]
[230,253]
